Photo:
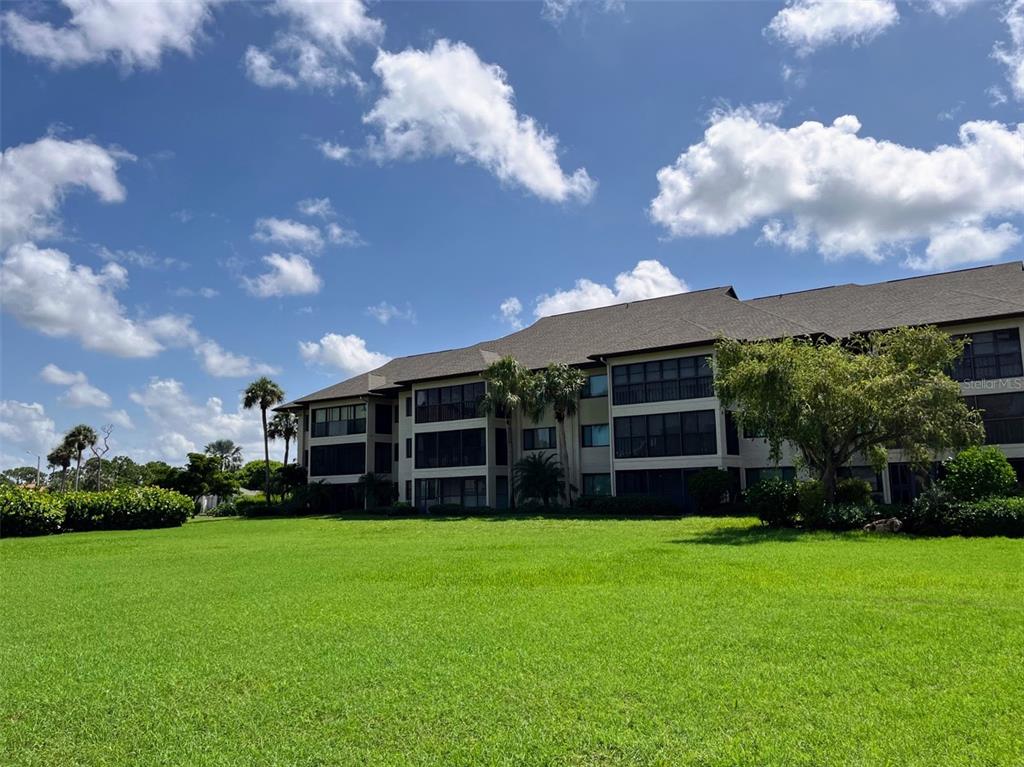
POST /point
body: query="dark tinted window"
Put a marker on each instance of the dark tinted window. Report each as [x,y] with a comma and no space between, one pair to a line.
[990,354]
[448,403]
[596,386]
[661,380]
[382,420]
[595,435]
[339,421]
[539,439]
[460,447]
[382,457]
[500,447]
[327,460]
[1002,415]
[666,434]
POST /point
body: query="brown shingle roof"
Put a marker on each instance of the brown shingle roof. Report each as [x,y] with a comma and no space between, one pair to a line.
[699,317]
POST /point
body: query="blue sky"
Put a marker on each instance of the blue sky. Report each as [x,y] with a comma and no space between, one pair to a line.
[155,159]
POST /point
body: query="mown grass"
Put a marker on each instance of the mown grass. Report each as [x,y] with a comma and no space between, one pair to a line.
[524,642]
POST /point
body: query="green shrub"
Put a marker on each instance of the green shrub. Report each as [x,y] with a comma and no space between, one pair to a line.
[937,512]
[774,501]
[628,506]
[810,502]
[707,487]
[854,492]
[126,508]
[29,512]
[979,472]
[844,516]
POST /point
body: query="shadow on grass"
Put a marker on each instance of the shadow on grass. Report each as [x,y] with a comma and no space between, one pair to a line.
[744,536]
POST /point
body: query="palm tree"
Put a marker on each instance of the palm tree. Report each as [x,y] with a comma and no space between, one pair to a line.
[60,458]
[511,389]
[373,488]
[562,387]
[228,452]
[539,476]
[284,426]
[264,394]
[77,440]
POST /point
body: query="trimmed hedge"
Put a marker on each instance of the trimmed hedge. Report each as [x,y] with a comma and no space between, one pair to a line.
[29,512]
[34,512]
[937,512]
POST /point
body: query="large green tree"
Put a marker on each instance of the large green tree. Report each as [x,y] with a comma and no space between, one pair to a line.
[264,394]
[284,426]
[561,386]
[204,476]
[512,391]
[78,440]
[858,397]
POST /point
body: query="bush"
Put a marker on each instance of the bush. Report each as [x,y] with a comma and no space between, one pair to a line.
[707,487]
[774,501]
[628,506]
[979,472]
[853,492]
[126,508]
[29,512]
[937,512]
[844,516]
[810,502]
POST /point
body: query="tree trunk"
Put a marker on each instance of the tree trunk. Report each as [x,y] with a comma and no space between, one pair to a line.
[286,445]
[78,470]
[563,456]
[511,463]
[266,454]
[63,477]
[828,479]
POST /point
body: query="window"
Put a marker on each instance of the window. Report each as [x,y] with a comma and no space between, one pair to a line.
[732,437]
[663,483]
[448,403]
[906,482]
[500,447]
[408,406]
[439,449]
[595,435]
[382,457]
[408,447]
[663,434]
[596,386]
[328,460]
[786,473]
[470,492]
[395,459]
[305,423]
[661,380]
[408,491]
[501,492]
[382,419]
[992,354]
[1002,416]
[339,421]
[395,409]
[597,484]
[539,439]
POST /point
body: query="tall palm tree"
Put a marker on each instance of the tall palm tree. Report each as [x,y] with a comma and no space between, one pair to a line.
[512,390]
[284,426]
[77,441]
[562,387]
[60,458]
[228,452]
[264,394]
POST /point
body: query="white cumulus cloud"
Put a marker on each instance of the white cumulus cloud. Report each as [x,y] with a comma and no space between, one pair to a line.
[967,244]
[79,392]
[319,207]
[807,25]
[826,187]
[648,279]
[289,233]
[346,353]
[136,33]
[24,426]
[35,177]
[288,276]
[446,101]
[511,310]
[385,312]
[1012,54]
[315,47]
[336,152]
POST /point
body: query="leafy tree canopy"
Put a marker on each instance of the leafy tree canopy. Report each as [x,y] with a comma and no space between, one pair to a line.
[837,400]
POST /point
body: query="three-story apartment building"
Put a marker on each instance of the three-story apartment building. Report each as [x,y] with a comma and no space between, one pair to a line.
[647,418]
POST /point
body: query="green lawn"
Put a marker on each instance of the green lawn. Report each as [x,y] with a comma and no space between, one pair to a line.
[526,642]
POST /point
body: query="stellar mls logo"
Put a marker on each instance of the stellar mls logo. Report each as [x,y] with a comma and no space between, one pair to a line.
[998,385]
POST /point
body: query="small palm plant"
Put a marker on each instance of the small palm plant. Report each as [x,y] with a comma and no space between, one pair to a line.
[77,441]
[284,426]
[264,394]
[562,386]
[539,477]
[60,458]
[511,391]
[375,488]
